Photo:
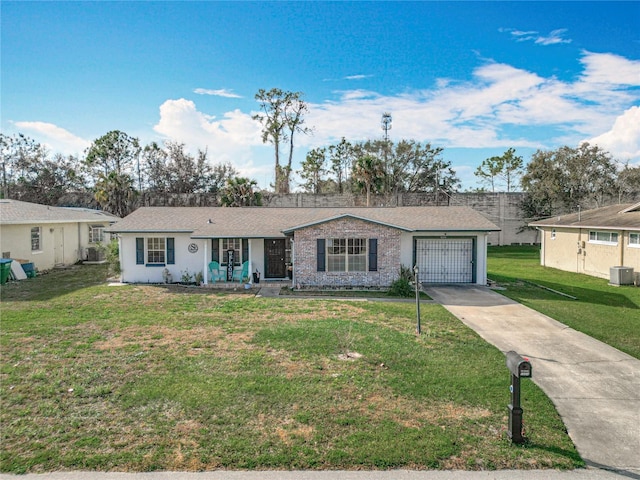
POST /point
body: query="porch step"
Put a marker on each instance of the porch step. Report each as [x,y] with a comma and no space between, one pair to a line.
[269,291]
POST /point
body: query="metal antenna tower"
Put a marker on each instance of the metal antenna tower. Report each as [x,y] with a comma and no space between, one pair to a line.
[386,125]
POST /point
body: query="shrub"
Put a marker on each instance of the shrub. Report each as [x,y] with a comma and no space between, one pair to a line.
[401,288]
[406,273]
[112,255]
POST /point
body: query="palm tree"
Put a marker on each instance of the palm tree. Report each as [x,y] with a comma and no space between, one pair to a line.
[239,192]
[368,172]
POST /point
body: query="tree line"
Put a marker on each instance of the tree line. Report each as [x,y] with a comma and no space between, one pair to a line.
[556,181]
[117,169]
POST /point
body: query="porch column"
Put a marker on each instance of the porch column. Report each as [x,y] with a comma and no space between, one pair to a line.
[250,262]
[206,264]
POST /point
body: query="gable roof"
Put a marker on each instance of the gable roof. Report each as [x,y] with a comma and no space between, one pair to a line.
[16,212]
[614,217]
[264,222]
[342,216]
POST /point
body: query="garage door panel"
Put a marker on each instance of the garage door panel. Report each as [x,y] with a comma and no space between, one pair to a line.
[445,260]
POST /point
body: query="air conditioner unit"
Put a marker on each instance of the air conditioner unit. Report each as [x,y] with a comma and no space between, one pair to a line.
[621,276]
[94,255]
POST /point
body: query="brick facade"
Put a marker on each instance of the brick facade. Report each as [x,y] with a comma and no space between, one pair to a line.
[306,272]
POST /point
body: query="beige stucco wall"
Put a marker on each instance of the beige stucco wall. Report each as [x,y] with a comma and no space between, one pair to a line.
[60,243]
[630,254]
[572,251]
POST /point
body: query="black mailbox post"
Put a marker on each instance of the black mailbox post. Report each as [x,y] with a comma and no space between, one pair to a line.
[519,368]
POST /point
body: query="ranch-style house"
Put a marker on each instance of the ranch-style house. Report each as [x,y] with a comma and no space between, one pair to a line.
[312,247]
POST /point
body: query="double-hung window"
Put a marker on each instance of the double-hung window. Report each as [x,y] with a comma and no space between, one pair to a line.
[346,254]
[603,237]
[36,239]
[634,240]
[155,251]
[96,233]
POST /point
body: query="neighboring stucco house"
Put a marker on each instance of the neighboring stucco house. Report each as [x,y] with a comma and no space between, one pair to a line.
[315,247]
[592,241]
[48,236]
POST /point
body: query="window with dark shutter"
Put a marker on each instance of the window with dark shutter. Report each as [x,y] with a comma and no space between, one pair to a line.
[373,254]
[245,249]
[171,251]
[215,250]
[139,251]
[320,255]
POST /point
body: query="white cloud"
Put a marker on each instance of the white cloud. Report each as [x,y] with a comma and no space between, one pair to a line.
[497,108]
[492,110]
[623,139]
[229,139]
[553,38]
[607,68]
[218,93]
[357,77]
[55,138]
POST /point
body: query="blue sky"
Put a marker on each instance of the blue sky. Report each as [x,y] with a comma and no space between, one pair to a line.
[475,78]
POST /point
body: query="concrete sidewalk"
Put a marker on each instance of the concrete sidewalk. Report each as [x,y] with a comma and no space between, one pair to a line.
[586,474]
[595,388]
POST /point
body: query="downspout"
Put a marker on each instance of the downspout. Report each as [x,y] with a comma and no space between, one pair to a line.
[80,252]
[120,259]
[542,249]
[622,247]
[293,263]
[579,250]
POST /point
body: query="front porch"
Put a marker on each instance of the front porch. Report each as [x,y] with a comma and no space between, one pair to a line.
[247,260]
[269,288]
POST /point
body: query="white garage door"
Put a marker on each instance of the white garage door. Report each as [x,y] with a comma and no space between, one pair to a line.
[445,260]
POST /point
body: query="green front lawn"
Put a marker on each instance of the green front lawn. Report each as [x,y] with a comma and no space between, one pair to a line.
[610,314]
[141,378]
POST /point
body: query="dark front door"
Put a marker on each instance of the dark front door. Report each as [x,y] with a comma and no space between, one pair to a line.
[274,252]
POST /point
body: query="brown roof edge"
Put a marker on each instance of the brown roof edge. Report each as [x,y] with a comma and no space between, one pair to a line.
[632,208]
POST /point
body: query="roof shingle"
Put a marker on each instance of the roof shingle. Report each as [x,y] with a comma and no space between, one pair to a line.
[18,212]
[259,222]
[624,216]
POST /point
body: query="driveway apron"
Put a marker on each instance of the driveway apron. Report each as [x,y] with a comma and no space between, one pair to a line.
[595,388]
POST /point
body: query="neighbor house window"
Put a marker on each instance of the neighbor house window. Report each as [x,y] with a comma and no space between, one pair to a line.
[634,240]
[36,238]
[606,238]
[346,255]
[96,233]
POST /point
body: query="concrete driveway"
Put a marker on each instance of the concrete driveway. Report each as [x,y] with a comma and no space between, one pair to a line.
[595,388]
